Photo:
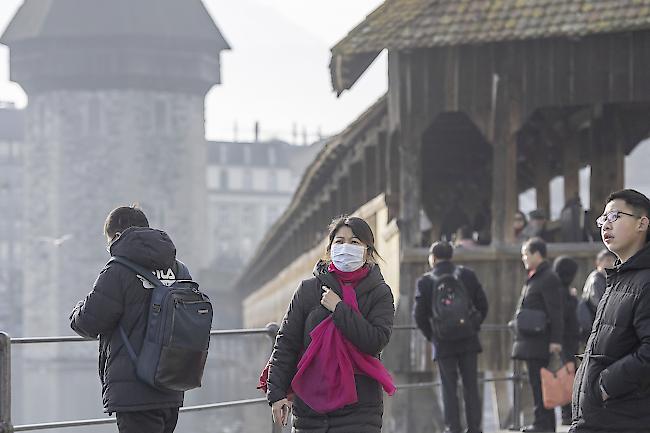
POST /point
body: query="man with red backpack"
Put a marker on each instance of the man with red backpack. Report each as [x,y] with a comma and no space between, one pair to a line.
[450,305]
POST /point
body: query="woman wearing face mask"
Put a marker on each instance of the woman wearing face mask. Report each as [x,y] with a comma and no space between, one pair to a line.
[326,354]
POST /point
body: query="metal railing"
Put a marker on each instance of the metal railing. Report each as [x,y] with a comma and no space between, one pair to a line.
[5,382]
[515,376]
[270,330]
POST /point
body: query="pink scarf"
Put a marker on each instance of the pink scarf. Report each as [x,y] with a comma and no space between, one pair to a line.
[325,376]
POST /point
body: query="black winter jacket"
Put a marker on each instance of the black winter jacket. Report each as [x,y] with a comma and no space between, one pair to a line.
[542,291]
[368,331]
[565,268]
[422,310]
[618,355]
[118,297]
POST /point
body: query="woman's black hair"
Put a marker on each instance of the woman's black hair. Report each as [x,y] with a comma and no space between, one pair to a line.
[360,229]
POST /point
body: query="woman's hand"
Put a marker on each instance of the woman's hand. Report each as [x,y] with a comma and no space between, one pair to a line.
[329,299]
[280,411]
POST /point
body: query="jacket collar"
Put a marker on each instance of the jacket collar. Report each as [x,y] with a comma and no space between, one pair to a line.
[641,260]
[374,279]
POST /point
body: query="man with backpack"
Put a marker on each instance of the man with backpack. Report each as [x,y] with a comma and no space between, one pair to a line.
[450,306]
[131,310]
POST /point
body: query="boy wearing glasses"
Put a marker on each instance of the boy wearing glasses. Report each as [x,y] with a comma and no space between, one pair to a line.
[611,391]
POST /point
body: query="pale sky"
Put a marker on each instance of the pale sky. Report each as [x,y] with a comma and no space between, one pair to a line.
[277,71]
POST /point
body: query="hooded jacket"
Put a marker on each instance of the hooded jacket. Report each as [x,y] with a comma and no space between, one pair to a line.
[368,331]
[119,297]
[566,269]
[617,356]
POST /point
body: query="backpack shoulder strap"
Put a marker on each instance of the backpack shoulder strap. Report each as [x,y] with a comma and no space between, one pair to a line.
[147,275]
[140,270]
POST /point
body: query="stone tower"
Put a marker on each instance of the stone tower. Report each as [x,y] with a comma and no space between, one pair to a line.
[115,116]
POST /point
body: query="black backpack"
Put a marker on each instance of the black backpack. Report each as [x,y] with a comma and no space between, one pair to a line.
[177,337]
[454,316]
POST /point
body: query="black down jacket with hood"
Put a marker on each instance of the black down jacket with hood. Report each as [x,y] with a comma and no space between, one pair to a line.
[618,355]
[368,331]
[118,297]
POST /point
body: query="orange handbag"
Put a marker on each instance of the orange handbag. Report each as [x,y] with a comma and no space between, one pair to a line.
[557,385]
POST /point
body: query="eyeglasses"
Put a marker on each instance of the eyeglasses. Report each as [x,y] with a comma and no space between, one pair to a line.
[611,216]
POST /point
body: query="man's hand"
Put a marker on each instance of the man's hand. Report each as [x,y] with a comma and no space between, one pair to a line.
[280,411]
[329,299]
[554,348]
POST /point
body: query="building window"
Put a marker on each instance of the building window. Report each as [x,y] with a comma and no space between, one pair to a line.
[223,179]
[212,177]
[247,181]
[272,180]
[223,154]
[247,155]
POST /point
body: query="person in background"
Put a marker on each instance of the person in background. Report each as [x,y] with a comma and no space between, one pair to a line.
[593,291]
[457,355]
[541,292]
[518,225]
[565,268]
[536,227]
[464,237]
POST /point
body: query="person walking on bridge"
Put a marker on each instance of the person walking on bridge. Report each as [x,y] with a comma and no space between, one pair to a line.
[325,365]
[450,305]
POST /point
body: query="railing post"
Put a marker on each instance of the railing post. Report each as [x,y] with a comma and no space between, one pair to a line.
[5,384]
[272,330]
[516,385]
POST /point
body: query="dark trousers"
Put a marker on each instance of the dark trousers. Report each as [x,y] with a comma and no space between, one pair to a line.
[148,421]
[449,368]
[542,417]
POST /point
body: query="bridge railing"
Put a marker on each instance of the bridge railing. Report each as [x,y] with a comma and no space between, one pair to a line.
[6,343]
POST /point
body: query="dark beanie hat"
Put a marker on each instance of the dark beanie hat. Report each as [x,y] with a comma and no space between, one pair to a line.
[565,268]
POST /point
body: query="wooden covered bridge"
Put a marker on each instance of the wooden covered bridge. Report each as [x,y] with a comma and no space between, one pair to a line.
[486,99]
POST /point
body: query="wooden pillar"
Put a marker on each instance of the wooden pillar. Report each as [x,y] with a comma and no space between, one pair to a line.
[607,159]
[571,166]
[506,115]
[542,175]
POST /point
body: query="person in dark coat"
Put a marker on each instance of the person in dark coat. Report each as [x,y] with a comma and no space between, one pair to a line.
[453,356]
[565,268]
[611,392]
[593,291]
[316,299]
[120,298]
[543,292]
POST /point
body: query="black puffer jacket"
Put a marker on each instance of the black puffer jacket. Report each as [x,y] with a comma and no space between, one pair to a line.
[422,310]
[618,355]
[542,291]
[566,268]
[118,297]
[368,331]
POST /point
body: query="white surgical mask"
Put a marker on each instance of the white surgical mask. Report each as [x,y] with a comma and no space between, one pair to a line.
[347,257]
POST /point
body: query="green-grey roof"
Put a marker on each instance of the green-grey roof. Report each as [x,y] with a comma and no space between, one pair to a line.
[404,24]
[51,19]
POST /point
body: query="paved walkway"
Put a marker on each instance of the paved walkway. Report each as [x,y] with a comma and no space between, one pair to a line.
[562,428]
